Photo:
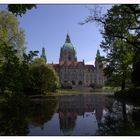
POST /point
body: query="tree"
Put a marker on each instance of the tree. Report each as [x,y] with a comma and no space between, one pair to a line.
[136,69]
[42,77]
[11,53]
[120,38]
[119,64]
[120,18]
[19,9]
[9,70]
[14,61]
[11,34]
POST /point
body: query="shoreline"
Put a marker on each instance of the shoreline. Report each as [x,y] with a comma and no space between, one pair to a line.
[72,92]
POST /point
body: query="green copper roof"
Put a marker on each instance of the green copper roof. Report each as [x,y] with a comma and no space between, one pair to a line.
[68,44]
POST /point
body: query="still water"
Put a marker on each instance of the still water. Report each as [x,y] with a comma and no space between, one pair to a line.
[77,115]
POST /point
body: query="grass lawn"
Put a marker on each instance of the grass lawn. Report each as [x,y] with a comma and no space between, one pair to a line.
[63,92]
[73,92]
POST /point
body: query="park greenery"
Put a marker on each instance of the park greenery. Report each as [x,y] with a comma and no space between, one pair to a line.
[120,31]
[22,73]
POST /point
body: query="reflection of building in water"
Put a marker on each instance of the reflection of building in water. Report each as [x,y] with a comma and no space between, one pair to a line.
[73,106]
[67,122]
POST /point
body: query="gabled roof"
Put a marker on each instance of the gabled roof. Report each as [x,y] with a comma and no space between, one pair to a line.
[76,65]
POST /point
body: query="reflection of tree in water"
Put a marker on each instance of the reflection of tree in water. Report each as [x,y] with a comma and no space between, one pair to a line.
[17,112]
[136,118]
[13,120]
[117,120]
[42,111]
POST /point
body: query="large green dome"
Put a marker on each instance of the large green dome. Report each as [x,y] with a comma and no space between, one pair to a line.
[68,44]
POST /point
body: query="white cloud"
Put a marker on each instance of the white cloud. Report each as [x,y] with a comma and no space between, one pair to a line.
[90,62]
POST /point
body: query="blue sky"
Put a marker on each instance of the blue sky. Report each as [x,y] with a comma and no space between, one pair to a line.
[48,25]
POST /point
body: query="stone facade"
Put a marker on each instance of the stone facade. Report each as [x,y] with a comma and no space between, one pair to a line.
[77,73]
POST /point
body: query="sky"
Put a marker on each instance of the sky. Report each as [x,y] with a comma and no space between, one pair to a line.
[47,26]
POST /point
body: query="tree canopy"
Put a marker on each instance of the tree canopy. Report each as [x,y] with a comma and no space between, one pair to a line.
[10,33]
[20,9]
[120,18]
[42,77]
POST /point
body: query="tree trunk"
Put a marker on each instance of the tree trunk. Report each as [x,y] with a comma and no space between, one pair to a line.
[123,82]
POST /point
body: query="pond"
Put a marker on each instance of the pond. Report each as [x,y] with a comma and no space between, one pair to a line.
[73,115]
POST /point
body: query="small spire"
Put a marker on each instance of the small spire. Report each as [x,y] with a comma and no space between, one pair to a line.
[68,39]
[83,61]
[98,55]
[43,55]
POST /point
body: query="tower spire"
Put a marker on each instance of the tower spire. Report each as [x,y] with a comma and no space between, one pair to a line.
[98,56]
[43,55]
[68,39]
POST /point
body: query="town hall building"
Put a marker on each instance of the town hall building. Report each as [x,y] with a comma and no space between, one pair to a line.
[77,73]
